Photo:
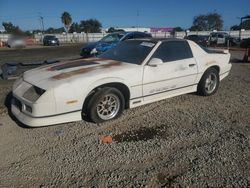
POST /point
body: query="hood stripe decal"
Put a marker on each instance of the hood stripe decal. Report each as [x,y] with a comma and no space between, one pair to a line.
[72,65]
[76,61]
[106,64]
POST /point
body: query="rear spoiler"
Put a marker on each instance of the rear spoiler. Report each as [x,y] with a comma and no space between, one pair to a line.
[217,51]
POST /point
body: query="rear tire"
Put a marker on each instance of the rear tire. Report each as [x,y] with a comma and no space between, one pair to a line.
[209,82]
[106,104]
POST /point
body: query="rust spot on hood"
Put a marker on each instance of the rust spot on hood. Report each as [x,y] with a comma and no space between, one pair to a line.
[104,65]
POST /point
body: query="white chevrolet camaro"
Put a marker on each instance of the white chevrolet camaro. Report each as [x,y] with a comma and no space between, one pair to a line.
[134,73]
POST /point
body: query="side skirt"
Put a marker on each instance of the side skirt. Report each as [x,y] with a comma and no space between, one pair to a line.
[163,95]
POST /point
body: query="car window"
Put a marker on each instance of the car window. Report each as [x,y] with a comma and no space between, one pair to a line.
[129,36]
[112,37]
[213,35]
[130,51]
[173,51]
[138,35]
[204,37]
[49,37]
[192,37]
[220,36]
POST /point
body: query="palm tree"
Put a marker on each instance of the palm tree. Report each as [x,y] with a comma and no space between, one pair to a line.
[66,20]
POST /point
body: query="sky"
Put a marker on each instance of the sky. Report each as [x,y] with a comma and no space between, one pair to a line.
[115,13]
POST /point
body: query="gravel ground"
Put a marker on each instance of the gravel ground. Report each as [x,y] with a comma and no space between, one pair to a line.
[184,141]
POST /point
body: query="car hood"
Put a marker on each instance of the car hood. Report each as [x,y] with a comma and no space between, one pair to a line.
[103,46]
[86,69]
[90,45]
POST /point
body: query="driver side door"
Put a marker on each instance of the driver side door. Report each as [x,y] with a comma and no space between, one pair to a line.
[175,75]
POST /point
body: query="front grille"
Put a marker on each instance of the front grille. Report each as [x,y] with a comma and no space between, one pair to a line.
[17,103]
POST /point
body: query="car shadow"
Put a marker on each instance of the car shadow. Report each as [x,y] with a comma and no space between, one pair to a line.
[7,103]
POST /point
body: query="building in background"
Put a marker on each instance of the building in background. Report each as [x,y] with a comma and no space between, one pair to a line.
[130,29]
[144,29]
[161,29]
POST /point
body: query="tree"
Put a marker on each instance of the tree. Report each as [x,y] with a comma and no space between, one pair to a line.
[52,30]
[111,30]
[91,26]
[195,28]
[28,33]
[199,22]
[178,29]
[11,29]
[235,27]
[75,27]
[208,22]
[36,31]
[245,25]
[66,20]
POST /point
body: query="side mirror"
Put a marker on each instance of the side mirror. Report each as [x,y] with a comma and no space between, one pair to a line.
[154,62]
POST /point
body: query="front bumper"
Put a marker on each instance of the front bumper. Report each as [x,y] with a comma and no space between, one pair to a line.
[86,53]
[32,121]
[42,111]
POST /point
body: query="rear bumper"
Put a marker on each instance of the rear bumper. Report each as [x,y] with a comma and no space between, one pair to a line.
[46,120]
[226,72]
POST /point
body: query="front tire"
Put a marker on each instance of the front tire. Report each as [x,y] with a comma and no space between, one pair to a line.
[209,82]
[106,104]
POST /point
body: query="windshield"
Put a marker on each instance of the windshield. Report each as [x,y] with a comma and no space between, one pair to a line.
[204,37]
[114,37]
[133,51]
[49,37]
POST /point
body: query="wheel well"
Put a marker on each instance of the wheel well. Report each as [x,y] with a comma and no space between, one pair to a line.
[120,86]
[215,67]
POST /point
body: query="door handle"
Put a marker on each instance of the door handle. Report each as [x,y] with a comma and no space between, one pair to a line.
[191,65]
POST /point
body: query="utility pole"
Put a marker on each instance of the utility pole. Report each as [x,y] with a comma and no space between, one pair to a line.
[137,16]
[42,23]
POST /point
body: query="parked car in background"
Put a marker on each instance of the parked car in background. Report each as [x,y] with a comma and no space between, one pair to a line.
[202,40]
[233,41]
[218,38]
[50,40]
[16,41]
[109,41]
[245,43]
[15,69]
[134,73]
[222,39]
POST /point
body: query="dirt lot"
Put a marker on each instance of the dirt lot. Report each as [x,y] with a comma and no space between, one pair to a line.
[39,53]
[183,141]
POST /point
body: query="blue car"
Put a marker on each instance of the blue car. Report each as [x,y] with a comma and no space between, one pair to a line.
[110,41]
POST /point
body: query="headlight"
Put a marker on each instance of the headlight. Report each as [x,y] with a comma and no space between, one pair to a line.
[17,82]
[33,93]
[94,51]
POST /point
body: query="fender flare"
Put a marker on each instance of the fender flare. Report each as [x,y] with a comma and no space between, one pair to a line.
[108,80]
